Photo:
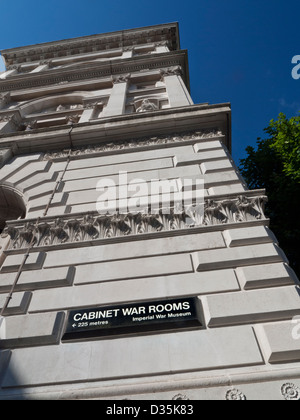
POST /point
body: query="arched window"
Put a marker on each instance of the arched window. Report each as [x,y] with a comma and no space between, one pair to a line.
[12,205]
[51,111]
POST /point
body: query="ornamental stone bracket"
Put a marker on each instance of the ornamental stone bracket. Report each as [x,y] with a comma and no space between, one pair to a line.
[85,227]
[121,79]
[171,71]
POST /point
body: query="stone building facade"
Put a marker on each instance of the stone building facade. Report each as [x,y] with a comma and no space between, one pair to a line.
[214,305]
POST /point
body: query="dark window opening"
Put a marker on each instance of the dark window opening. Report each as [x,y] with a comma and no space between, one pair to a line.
[12,205]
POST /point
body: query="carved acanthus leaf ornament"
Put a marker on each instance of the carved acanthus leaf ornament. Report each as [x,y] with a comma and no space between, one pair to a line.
[92,226]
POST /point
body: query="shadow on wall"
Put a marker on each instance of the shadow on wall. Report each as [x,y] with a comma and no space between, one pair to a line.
[7,373]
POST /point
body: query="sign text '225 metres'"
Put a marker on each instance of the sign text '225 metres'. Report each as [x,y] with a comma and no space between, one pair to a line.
[131,318]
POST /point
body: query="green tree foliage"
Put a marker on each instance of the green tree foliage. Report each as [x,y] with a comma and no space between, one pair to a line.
[275,166]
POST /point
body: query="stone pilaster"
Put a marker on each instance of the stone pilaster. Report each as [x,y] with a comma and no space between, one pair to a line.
[176,89]
[116,102]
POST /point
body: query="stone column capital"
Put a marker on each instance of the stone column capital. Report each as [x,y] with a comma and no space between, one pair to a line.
[121,79]
[171,71]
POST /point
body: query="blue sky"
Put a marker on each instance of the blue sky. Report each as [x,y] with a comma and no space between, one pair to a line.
[240,51]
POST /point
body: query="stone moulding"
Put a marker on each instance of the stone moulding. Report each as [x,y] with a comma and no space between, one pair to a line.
[94,71]
[159,34]
[87,227]
[122,145]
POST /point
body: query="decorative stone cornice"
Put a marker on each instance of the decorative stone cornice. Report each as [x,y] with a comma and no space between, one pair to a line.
[83,134]
[136,143]
[102,42]
[85,227]
[96,70]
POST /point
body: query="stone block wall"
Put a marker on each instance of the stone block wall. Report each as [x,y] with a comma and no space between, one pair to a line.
[226,257]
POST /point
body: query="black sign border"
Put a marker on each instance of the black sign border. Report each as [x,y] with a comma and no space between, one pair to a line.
[157,327]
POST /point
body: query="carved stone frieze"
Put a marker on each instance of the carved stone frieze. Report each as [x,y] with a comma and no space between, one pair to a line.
[99,42]
[242,209]
[133,143]
[92,226]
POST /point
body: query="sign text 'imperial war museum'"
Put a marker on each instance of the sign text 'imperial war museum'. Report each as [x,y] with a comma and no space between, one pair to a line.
[122,319]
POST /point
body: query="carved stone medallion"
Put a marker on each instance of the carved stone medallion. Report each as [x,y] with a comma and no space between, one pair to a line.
[290,392]
[235,395]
